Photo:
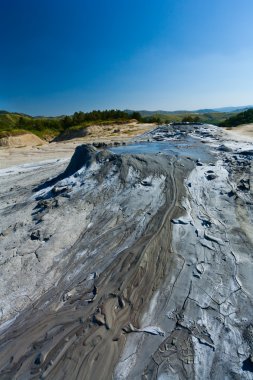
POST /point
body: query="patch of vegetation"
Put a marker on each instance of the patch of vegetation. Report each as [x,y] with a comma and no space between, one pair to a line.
[8,120]
[245,117]
[191,119]
[68,126]
[50,127]
[210,118]
[13,132]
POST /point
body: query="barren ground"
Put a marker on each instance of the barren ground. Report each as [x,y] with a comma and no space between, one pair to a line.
[110,134]
[129,266]
[241,133]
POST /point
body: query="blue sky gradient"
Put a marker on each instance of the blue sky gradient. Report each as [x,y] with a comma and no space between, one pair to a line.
[60,56]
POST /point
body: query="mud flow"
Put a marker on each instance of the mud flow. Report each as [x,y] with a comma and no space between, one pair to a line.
[131,264]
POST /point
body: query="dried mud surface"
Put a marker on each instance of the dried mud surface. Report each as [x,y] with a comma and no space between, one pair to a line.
[129,266]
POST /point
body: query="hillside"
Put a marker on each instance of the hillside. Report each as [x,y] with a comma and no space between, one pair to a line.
[8,120]
[199,111]
[21,140]
[12,124]
[245,117]
[15,124]
[210,117]
[68,127]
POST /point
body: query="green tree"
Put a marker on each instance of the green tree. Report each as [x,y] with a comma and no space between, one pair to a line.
[136,115]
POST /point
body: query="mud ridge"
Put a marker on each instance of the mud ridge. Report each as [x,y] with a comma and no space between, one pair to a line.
[78,326]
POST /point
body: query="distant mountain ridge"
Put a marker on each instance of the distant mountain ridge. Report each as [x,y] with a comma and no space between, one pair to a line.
[233,109]
[146,112]
[207,110]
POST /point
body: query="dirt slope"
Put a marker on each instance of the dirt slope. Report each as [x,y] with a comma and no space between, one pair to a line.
[27,139]
[242,132]
[106,132]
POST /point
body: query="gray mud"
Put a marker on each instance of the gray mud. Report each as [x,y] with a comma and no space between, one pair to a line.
[185,146]
[129,266]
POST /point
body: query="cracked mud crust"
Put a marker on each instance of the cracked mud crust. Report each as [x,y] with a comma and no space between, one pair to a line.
[129,267]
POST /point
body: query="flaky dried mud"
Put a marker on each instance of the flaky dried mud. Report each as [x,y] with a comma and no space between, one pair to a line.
[128,267]
[78,327]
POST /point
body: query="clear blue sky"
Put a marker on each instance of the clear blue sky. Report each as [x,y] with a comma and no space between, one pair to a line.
[60,56]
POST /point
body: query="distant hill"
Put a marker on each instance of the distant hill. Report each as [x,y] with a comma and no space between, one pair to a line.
[233,109]
[16,124]
[208,116]
[158,112]
[201,111]
[245,117]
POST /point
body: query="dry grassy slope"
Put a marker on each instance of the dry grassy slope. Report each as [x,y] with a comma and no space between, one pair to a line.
[242,132]
[106,132]
[27,139]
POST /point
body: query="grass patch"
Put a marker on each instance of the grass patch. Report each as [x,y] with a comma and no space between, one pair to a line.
[13,132]
[245,117]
